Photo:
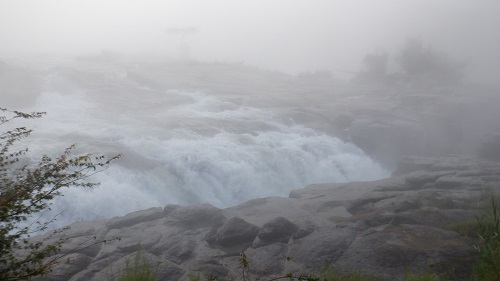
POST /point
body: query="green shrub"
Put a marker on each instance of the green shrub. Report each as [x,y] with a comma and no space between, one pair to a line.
[141,270]
[488,267]
[469,227]
[27,190]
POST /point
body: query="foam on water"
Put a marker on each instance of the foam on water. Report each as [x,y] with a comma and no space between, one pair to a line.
[201,150]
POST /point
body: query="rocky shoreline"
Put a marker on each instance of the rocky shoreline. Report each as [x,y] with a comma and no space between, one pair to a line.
[383,228]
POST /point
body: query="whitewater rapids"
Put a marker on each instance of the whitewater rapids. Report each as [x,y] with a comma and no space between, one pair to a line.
[180,147]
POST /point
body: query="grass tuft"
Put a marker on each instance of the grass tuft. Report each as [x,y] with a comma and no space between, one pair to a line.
[140,270]
[488,267]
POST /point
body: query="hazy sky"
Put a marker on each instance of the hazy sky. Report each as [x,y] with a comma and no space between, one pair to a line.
[291,35]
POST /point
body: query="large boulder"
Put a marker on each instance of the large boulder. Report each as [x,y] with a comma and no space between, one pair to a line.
[194,216]
[235,232]
[386,250]
[275,231]
[135,218]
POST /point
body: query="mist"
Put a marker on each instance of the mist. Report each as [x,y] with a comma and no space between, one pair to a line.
[291,36]
[221,101]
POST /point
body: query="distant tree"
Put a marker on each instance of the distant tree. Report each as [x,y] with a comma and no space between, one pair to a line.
[417,60]
[375,67]
[25,191]
[184,49]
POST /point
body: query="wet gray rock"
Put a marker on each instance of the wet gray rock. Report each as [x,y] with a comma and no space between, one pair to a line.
[454,182]
[267,259]
[276,230]
[385,249]
[382,228]
[419,179]
[234,232]
[322,248]
[136,217]
[68,269]
[176,249]
[196,216]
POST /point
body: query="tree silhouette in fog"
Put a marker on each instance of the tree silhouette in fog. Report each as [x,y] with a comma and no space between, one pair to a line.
[417,60]
[375,67]
[184,49]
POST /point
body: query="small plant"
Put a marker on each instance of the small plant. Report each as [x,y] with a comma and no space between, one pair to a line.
[195,277]
[28,187]
[140,270]
[488,268]
[468,227]
[245,276]
[326,274]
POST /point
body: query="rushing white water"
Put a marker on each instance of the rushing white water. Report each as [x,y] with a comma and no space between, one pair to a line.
[182,148]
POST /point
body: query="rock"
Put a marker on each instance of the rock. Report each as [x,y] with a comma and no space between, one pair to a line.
[454,163]
[169,271]
[313,190]
[405,206]
[364,204]
[411,164]
[136,217]
[211,266]
[276,230]
[178,249]
[65,270]
[267,259]
[321,247]
[419,179]
[87,237]
[196,216]
[454,182]
[386,251]
[235,232]
[303,232]
[382,228]
[163,269]
[170,208]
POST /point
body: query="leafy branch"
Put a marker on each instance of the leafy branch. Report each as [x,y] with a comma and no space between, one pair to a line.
[26,190]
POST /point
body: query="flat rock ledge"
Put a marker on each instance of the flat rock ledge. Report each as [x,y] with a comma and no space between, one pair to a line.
[382,228]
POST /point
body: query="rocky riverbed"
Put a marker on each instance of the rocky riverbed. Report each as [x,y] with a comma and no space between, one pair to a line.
[385,228]
[411,221]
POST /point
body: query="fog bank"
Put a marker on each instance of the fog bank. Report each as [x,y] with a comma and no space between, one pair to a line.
[286,35]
